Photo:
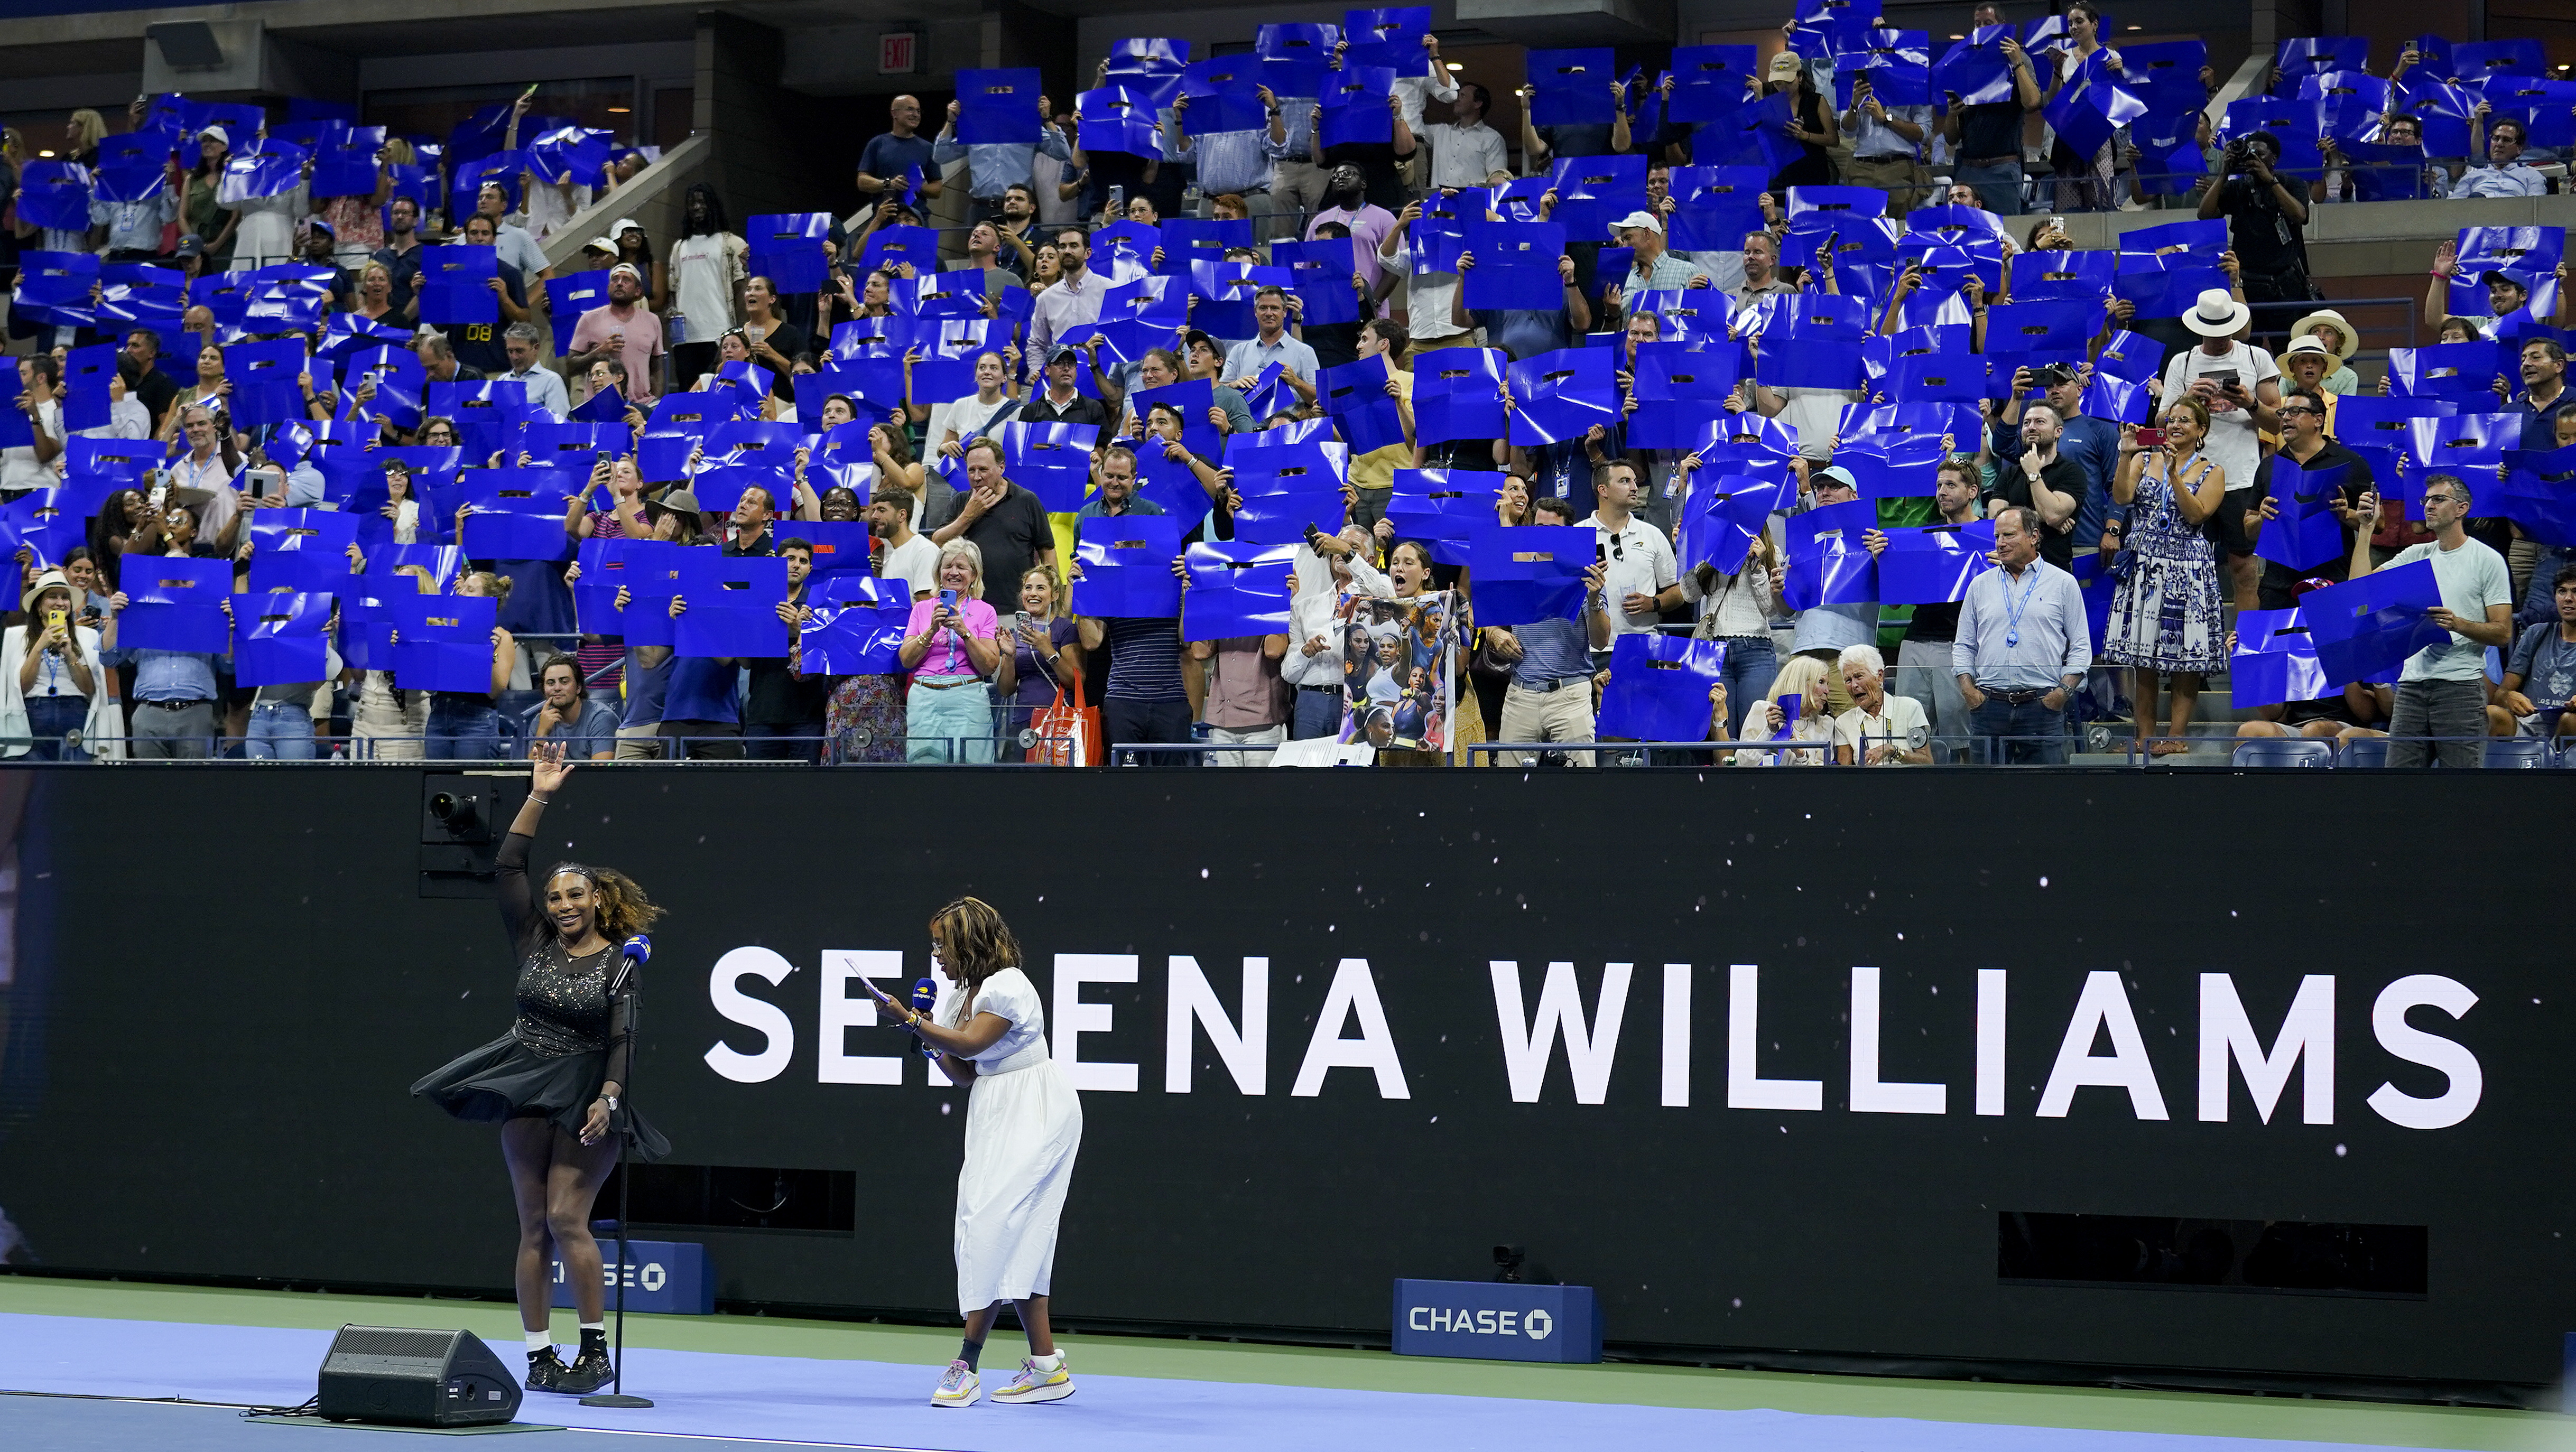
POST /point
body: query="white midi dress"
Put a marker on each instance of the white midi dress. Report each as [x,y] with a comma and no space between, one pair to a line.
[1023,1129]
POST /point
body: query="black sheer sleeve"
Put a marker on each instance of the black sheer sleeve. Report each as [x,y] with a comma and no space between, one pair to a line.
[619,1036]
[518,910]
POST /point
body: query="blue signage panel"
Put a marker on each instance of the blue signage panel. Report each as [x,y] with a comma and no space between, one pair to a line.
[665,1276]
[1497,1321]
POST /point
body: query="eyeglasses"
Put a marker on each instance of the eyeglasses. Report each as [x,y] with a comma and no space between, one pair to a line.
[2290,408]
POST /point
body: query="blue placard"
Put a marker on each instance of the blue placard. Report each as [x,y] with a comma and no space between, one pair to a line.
[662,1277]
[1497,1321]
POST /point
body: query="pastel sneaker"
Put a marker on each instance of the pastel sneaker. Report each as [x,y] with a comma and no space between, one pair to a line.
[1037,1383]
[958,1388]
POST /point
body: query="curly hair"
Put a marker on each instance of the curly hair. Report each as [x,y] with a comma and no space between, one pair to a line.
[974,944]
[622,907]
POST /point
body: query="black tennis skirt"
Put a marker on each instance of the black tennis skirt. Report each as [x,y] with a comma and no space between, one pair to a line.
[505,1079]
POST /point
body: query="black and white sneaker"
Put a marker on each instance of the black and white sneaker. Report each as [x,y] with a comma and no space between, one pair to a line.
[588,1373]
[545,1371]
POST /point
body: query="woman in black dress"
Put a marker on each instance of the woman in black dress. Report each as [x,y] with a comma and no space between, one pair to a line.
[553,1081]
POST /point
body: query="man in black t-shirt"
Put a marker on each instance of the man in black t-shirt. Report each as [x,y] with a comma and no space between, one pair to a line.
[1006,522]
[2045,480]
[783,712]
[1986,140]
[2304,446]
[151,387]
[2265,221]
[479,346]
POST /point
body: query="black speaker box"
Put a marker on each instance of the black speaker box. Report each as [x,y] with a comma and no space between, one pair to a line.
[408,1377]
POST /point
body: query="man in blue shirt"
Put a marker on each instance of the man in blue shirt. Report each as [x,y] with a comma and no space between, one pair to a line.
[174,693]
[1245,360]
[993,167]
[1550,697]
[2023,643]
[891,155]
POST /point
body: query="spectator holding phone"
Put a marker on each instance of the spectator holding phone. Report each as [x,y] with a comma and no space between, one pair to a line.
[1045,656]
[2240,386]
[950,645]
[53,684]
[2164,619]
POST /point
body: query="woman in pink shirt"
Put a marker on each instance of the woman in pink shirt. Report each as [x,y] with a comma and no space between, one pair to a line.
[951,647]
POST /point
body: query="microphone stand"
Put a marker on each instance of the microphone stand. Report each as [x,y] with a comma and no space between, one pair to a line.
[616,1395]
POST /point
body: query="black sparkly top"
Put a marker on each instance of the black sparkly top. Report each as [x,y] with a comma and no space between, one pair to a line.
[563,1000]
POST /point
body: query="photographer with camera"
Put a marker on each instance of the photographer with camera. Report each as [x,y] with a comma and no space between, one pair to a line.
[2266,218]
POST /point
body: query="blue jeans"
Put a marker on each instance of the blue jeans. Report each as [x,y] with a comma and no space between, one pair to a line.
[1998,184]
[1751,662]
[948,724]
[279,732]
[49,719]
[462,730]
[1318,713]
[2029,734]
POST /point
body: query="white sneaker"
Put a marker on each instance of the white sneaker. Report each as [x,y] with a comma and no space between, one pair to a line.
[958,1388]
[1036,1383]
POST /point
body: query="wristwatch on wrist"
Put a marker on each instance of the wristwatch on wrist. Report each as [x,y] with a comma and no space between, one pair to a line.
[610,1100]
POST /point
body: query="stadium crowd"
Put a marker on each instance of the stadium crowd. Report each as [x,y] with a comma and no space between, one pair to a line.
[1876,468]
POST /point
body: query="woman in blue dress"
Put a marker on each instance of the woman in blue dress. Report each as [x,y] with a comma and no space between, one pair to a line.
[2164,620]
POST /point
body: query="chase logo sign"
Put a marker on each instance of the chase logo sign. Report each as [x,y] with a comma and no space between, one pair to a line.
[1497,1321]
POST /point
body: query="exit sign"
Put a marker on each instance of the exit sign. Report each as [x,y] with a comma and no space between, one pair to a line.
[898,53]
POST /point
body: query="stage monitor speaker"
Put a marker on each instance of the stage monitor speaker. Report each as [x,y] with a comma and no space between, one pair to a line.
[409,1377]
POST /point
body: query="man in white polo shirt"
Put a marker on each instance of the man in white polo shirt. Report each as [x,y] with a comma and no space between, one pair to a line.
[1639,557]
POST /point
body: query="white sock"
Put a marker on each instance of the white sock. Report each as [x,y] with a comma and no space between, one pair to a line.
[1048,1362]
[541,1340]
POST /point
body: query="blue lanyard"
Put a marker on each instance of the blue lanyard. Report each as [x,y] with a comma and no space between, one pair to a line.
[2012,611]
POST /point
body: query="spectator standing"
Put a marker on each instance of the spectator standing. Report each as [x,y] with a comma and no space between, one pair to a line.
[400,255]
[1640,558]
[1059,401]
[1986,139]
[863,718]
[55,689]
[1247,701]
[950,646]
[2047,480]
[1887,147]
[2093,443]
[1823,631]
[2442,691]
[992,168]
[393,722]
[1348,202]
[2241,387]
[2164,618]
[2266,222]
[201,216]
[707,269]
[525,363]
[890,155]
[2023,646]
[953,424]
[1923,670]
[624,329]
[702,703]
[479,346]
[2340,340]
[1879,729]
[174,692]
[1238,163]
[151,383]
[1811,125]
[2304,445]
[1146,700]
[1540,144]
[784,708]
[587,728]
[1073,301]
[2544,391]
[1550,695]
[32,465]
[1465,152]
[1274,344]
[1006,522]
[134,228]
[464,724]
[1045,657]
[515,246]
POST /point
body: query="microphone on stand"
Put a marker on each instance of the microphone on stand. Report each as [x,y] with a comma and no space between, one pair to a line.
[631,955]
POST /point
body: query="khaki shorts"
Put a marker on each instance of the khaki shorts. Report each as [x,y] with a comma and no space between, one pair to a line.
[1904,180]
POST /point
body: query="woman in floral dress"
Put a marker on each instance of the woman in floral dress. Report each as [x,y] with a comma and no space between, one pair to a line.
[2165,620]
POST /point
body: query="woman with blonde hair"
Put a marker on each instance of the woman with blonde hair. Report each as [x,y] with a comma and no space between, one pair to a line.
[466,723]
[81,136]
[1023,1131]
[1803,679]
[553,1082]
[1045,656]
[951,646]
[393,721]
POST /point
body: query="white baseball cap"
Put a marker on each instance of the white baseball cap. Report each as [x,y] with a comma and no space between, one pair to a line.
[1647,220]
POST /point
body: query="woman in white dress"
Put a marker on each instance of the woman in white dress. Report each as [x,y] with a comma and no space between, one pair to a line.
[1023,1128]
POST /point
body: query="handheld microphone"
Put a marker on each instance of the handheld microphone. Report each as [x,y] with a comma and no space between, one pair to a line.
[631,955]
[925,996]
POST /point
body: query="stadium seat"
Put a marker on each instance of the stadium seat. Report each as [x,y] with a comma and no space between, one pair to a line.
[2307,751]
[2517,751]
[2364,751]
